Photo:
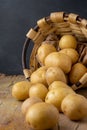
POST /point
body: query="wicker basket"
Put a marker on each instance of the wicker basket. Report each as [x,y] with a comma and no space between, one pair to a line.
[58,24]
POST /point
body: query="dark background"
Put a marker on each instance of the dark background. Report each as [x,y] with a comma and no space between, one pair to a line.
[18,16]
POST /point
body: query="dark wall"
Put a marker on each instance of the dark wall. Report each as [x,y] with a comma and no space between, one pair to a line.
[17,17]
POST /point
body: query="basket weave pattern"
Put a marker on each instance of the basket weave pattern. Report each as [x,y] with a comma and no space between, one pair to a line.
[58,24]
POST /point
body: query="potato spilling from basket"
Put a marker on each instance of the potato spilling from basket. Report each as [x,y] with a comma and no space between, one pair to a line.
[48,92]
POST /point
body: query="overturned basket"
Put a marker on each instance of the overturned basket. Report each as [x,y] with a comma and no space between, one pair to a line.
[58,24]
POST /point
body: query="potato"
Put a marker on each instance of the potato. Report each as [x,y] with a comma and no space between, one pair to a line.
[56,59]
[55,96]
[57,84]
[38,90]
[54,74]
[72,53]
[20,90]
[42,116]
[43,51]
[38,76]
[28,103]
[74,106]
[68,41]
[77,71]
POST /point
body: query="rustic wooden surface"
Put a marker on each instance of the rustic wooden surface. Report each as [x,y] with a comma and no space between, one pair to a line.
[11,117]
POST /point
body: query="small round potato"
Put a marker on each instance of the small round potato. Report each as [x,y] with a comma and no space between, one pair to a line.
[20,90]
[55,74]
[77,71]
[56,59]
[74,106]
[38,76]
[43,51]
[38,90]
[72,53]
[57,84]
[68,41]
[56,96]
[28,103]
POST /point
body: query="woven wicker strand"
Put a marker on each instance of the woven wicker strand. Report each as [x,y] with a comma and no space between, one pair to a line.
[58,23]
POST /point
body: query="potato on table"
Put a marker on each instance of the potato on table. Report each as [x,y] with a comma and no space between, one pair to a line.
[20,90]
[42,116]
[38,90]
[28,103]
[74,106]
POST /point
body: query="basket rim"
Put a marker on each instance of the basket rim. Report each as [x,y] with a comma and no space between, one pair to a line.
[52,18]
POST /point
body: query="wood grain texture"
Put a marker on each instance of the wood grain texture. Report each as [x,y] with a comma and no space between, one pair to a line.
[11,117]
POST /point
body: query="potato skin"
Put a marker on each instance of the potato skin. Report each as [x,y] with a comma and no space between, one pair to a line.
[42,116]
[43,51]
[77,71]
[20,90]
[28,103]
[56,96]
[72,53]
[38,76]
[38,90]
[56,59]
[57,84]
[55,74]
[68,41]
[74,106]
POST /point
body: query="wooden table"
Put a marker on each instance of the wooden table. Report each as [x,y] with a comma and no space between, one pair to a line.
[11,117]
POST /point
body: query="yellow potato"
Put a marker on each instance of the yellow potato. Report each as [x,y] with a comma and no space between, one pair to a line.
[72,53]
[74,106]
[68,41]
[42,116]
[28,103]
[38,90]
[38,76]
[43,51]
[20,90]
[55,96]
[57,84]
[56,59]
[55,74]
[77,71]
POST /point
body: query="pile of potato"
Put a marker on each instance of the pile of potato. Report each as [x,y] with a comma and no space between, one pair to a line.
[48,91]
